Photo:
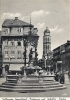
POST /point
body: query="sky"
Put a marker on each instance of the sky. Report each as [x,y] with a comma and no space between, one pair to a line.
[53,14]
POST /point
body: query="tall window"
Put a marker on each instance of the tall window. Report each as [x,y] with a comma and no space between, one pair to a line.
[48,46]
[12,54]
[19,54]
[19,43]
[12,43]
[6,54]
[6,42]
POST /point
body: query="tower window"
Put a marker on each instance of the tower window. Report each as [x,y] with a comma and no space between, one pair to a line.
[48,46]
[48,39]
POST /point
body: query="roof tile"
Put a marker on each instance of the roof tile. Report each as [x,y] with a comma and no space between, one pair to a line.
[15,23]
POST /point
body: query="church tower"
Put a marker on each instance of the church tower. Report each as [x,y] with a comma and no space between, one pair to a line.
[46,43]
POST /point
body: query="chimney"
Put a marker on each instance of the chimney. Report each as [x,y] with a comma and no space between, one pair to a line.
[16,18]
[68,41]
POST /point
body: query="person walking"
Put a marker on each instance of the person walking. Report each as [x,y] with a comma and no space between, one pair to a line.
[62,78]
[56,77]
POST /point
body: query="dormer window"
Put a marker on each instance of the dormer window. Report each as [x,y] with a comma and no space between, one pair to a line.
[19,30]
[6,31]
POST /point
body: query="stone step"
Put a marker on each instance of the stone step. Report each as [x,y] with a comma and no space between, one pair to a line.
[27,80]
[21,90]
[30,84]
[30,89]
[40,86]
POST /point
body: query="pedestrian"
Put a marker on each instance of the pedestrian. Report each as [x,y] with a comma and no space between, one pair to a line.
[56,77]
[69,75]
[62,78]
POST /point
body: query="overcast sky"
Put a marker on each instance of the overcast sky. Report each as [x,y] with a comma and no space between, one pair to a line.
[54,14]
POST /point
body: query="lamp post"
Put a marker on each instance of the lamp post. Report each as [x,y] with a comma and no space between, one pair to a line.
[25,44]
[45,60]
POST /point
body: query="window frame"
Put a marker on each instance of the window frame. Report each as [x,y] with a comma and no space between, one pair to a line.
[18,43]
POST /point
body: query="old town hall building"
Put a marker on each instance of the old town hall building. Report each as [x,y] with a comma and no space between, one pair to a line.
[18,37]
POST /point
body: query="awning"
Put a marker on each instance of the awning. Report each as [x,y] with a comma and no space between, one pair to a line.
[15,67]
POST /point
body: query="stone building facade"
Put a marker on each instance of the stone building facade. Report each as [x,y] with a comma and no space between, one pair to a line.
[14,33]
[62,54]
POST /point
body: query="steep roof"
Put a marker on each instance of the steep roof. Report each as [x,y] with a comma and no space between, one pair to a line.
[15,22]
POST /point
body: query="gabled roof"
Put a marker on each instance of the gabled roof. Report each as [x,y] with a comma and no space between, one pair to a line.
[15,22]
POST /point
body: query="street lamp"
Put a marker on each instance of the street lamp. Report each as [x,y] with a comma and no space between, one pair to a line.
[45,60]
[25,44]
